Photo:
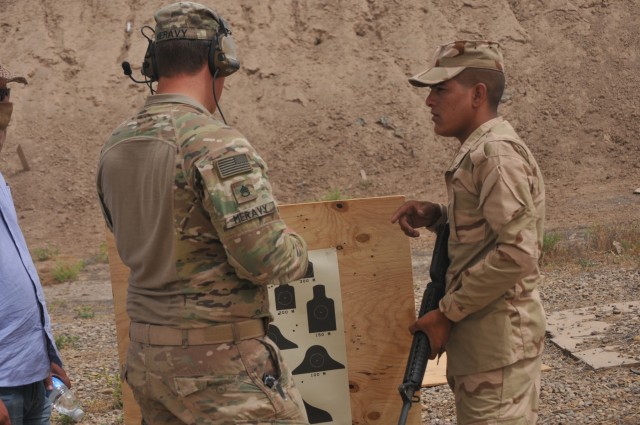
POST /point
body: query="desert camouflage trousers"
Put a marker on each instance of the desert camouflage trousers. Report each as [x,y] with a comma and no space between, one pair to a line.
[213,384]
[506,396]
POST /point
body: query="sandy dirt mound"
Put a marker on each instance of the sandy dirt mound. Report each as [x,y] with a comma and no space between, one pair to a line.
[323,95]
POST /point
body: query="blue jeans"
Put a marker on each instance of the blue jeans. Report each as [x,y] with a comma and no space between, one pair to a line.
[27,404]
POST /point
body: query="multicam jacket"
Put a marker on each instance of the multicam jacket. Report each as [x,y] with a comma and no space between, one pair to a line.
[496,216]
[192,211]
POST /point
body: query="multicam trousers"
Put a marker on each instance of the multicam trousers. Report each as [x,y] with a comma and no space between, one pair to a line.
[213,384]
[507,396]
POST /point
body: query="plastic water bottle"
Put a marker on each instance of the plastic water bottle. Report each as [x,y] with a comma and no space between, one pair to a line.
[64,401]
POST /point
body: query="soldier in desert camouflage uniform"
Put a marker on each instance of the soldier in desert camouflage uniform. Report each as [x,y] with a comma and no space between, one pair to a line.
[194,218]
[491,320]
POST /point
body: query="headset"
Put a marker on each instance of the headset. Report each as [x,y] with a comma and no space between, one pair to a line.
[221,60]
[222,52]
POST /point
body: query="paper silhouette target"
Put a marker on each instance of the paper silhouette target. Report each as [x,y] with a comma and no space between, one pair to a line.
[285,297]
[317,359]
[317,415]
[309,329]
[281,341]
[321,312]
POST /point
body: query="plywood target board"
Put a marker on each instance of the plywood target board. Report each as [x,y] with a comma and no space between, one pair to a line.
[342,329]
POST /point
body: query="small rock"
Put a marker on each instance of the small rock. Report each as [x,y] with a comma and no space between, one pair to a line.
[617,246]
[385,121]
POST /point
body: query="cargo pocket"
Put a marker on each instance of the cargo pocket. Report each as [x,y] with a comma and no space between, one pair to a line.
[226,386]
[289,410]
[231,397]
[185,386]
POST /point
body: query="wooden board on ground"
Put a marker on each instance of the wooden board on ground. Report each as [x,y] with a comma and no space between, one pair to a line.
[436,373]
[374,261]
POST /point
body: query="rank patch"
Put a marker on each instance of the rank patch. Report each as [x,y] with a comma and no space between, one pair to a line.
[244,192]
[232,165]
[240,217]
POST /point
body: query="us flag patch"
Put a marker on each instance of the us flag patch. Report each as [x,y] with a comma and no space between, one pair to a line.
[230,166]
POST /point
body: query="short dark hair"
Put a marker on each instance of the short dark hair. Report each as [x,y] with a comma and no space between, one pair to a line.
[177,57]
[492,79]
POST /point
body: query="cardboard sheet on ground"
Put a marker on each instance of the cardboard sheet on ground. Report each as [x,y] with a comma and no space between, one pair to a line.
[582,332]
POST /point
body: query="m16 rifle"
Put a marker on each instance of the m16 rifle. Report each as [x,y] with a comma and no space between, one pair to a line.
[420,348]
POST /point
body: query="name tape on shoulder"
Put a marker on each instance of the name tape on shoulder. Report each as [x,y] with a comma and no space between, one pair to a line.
[244,216]
[232,165]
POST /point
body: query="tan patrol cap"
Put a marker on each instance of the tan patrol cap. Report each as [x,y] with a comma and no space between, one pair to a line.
[452,58]
[8,77]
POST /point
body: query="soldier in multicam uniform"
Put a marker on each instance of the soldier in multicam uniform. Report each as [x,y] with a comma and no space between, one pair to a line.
[194,218]
[490,320]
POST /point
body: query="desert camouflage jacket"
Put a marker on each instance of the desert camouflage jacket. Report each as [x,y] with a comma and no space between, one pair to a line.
[194,218]
[496,216]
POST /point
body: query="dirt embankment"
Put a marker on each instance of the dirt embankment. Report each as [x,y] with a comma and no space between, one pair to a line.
[323,95]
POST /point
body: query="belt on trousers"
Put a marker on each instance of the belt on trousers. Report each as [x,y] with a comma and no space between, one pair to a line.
[217,334]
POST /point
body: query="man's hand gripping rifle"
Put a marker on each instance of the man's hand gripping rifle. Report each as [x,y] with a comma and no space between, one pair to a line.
[420,348]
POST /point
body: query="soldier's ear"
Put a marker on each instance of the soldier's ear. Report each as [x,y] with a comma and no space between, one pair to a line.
[479,94]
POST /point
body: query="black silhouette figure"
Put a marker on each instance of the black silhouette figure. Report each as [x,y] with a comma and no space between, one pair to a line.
[285,297]
[316,359]
[321,312]
[281,341]
[316,415]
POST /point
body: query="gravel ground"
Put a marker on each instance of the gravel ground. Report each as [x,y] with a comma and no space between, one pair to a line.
[83,319]
[572,392]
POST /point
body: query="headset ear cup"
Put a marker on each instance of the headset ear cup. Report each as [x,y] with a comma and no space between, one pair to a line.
[218,62]
[213,54]
[149,65]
